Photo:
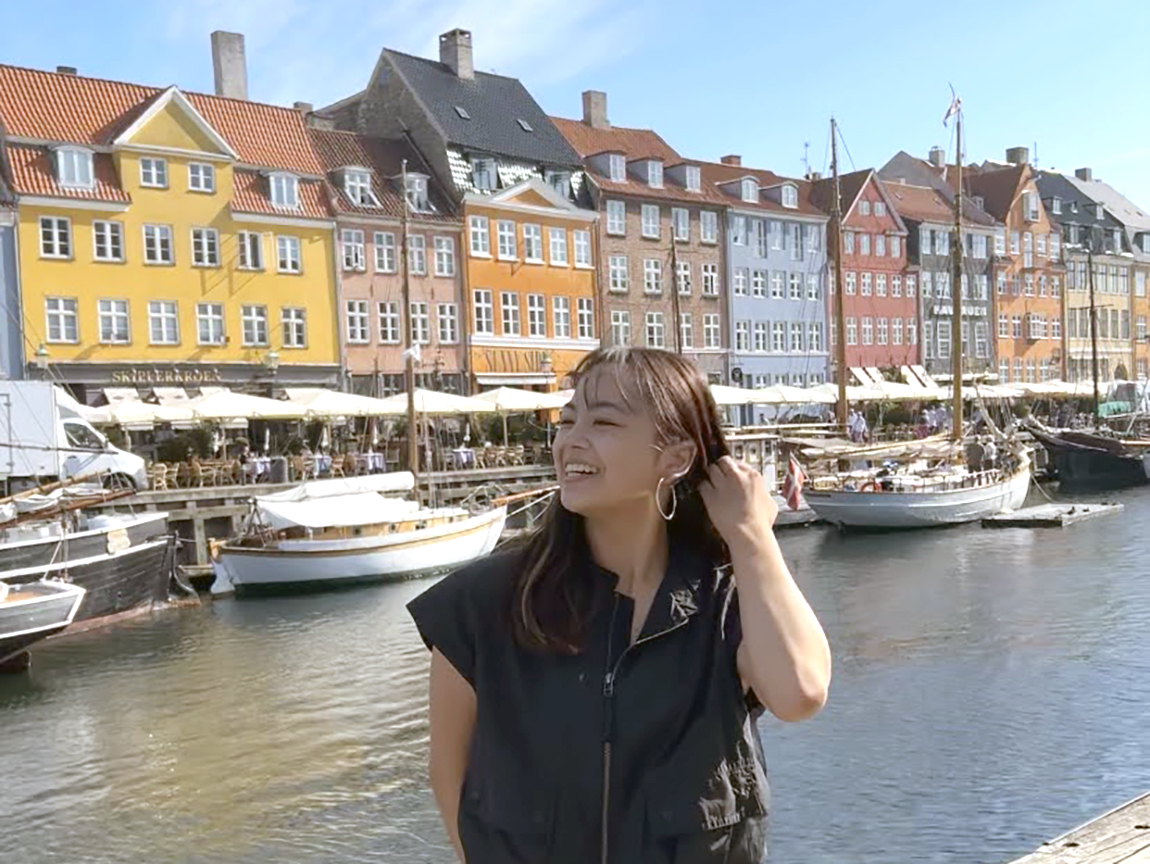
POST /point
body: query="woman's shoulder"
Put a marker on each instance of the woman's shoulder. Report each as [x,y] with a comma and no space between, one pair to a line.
[478,587]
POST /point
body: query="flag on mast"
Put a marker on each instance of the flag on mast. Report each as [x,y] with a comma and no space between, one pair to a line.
[793,483]
[955,106]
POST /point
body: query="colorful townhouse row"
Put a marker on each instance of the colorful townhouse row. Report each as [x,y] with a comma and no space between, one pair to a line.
[153,237]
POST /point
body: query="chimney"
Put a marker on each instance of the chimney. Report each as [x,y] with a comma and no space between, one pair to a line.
[455,53]
[731,159]
[815,176]
[595,109]
[937,156]
[229,64]
[1086,174]
[303,108]
[1018,155]
[65,70]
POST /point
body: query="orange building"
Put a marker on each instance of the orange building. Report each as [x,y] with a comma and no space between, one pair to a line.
[532,284]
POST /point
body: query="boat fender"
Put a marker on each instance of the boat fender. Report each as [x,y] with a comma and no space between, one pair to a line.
[870,486]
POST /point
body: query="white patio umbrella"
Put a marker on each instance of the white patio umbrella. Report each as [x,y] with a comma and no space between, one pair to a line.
[512,400]
[133,414]
[229,405]
[434,402]
[329,404]
[725,395]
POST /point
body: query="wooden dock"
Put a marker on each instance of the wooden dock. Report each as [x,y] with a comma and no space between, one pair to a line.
[1055,515]
[1121,836]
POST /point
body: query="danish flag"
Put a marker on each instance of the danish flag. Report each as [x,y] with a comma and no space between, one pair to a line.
[793,483]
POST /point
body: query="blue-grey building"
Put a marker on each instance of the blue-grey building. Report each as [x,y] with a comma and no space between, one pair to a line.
[11,331]
[776,268]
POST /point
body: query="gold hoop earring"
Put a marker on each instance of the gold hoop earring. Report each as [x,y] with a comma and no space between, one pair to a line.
[659,503]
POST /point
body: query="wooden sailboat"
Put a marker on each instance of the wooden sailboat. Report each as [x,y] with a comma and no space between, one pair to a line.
[919,491]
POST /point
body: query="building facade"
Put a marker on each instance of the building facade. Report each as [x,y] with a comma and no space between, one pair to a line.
[1092,236]
[776,267]
[660,236]
[1028,274]
[482,137]
[167,238]
[926,205]
[375,255]
[880,304]
[11,333]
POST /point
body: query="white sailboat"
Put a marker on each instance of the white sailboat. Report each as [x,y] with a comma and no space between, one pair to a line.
[918,492]
[328,533]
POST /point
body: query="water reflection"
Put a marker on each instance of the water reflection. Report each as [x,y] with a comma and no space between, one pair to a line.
[990,690]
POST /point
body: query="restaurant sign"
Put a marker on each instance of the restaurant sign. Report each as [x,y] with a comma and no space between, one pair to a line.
[152,375]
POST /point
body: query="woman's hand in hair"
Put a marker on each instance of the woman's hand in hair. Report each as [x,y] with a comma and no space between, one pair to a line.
[738,501]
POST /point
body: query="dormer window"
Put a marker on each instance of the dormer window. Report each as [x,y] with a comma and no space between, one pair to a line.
[618,167]
[864,208]
[655,174]
[977,199]
[1098,212]
[74,168]
[1146,243]
[560,181]
[1056,205]
[694,178]
[482,174]
[285,190]
[417,193]
[750,190]
[790,197]
[1117,240]
[357,186]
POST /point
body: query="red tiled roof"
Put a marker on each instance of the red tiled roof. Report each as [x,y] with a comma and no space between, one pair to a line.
[997,187]
[850,186]
[48,106]
[635,143]
[250,195]
[716,173]
[384,158]
[919,202]
[34,174]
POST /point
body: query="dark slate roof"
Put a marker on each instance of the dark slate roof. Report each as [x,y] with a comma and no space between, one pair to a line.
[495,105]
[1053,185]
[919,172]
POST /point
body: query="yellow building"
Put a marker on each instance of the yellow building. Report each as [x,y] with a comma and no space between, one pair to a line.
[531,275]
[167,238]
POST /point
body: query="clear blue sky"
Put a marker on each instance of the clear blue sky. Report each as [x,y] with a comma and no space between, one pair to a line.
[754,77]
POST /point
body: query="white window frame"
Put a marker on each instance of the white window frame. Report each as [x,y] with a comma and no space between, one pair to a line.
[510,323]
[683,278]
[483,174]
[533,243]
[158,310]
[506,243]
[708,226]
[293,324]
[686,330]
[201,177]
[156,237]
[712,330]
[758,283]
[710,279]
[561,317]
[655,330]
[650,221]
[557,246]
[107,238]
[743,336]
[654,173]
[283,190]
[790,197]
[867,328]
[417,254]
[620,327]
[389,322]
[749,190]
[205,247]
[693,176]
[253,319]
[212,314]
[444,255]
[420,315]
[795,340]
[153,172]
[384,252]
[585,311]
[652,276]
[681,224]
[56,241]
[353,250]
[581,239]
[536,316]
[75,168]
[447,322]
[616,217]
[618,274]
[483,311]
[289,255]
[248,242]
[115,312]
[617,167]
[480,236]
[356,322]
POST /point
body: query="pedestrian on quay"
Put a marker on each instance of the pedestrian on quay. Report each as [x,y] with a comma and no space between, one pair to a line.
[594,691]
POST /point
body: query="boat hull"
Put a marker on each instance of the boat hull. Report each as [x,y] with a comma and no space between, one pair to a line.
[1085,462]
[308,566]
[875,509]
[42,551]
[119,582]
[49,609]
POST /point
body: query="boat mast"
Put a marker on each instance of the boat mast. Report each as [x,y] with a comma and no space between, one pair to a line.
[1093,328]
[840,306]
[408,346]
[675,292]
[956,289]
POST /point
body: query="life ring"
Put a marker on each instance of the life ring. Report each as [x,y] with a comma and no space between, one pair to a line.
[870,486]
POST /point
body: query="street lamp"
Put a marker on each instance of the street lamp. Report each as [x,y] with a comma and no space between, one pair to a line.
[42,356]
[272,360]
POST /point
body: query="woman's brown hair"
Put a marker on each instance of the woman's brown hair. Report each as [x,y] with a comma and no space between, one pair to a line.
[553,591]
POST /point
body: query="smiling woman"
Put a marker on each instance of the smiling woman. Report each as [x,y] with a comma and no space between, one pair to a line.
[594,692]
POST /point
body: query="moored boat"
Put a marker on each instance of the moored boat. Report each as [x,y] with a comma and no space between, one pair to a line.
[1089,461]
[332,533]
[31,612]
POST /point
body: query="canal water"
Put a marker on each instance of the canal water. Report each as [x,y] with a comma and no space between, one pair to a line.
[991,689]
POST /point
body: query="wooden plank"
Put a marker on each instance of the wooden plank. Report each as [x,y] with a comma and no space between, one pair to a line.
[1057,515]
[1121,836]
